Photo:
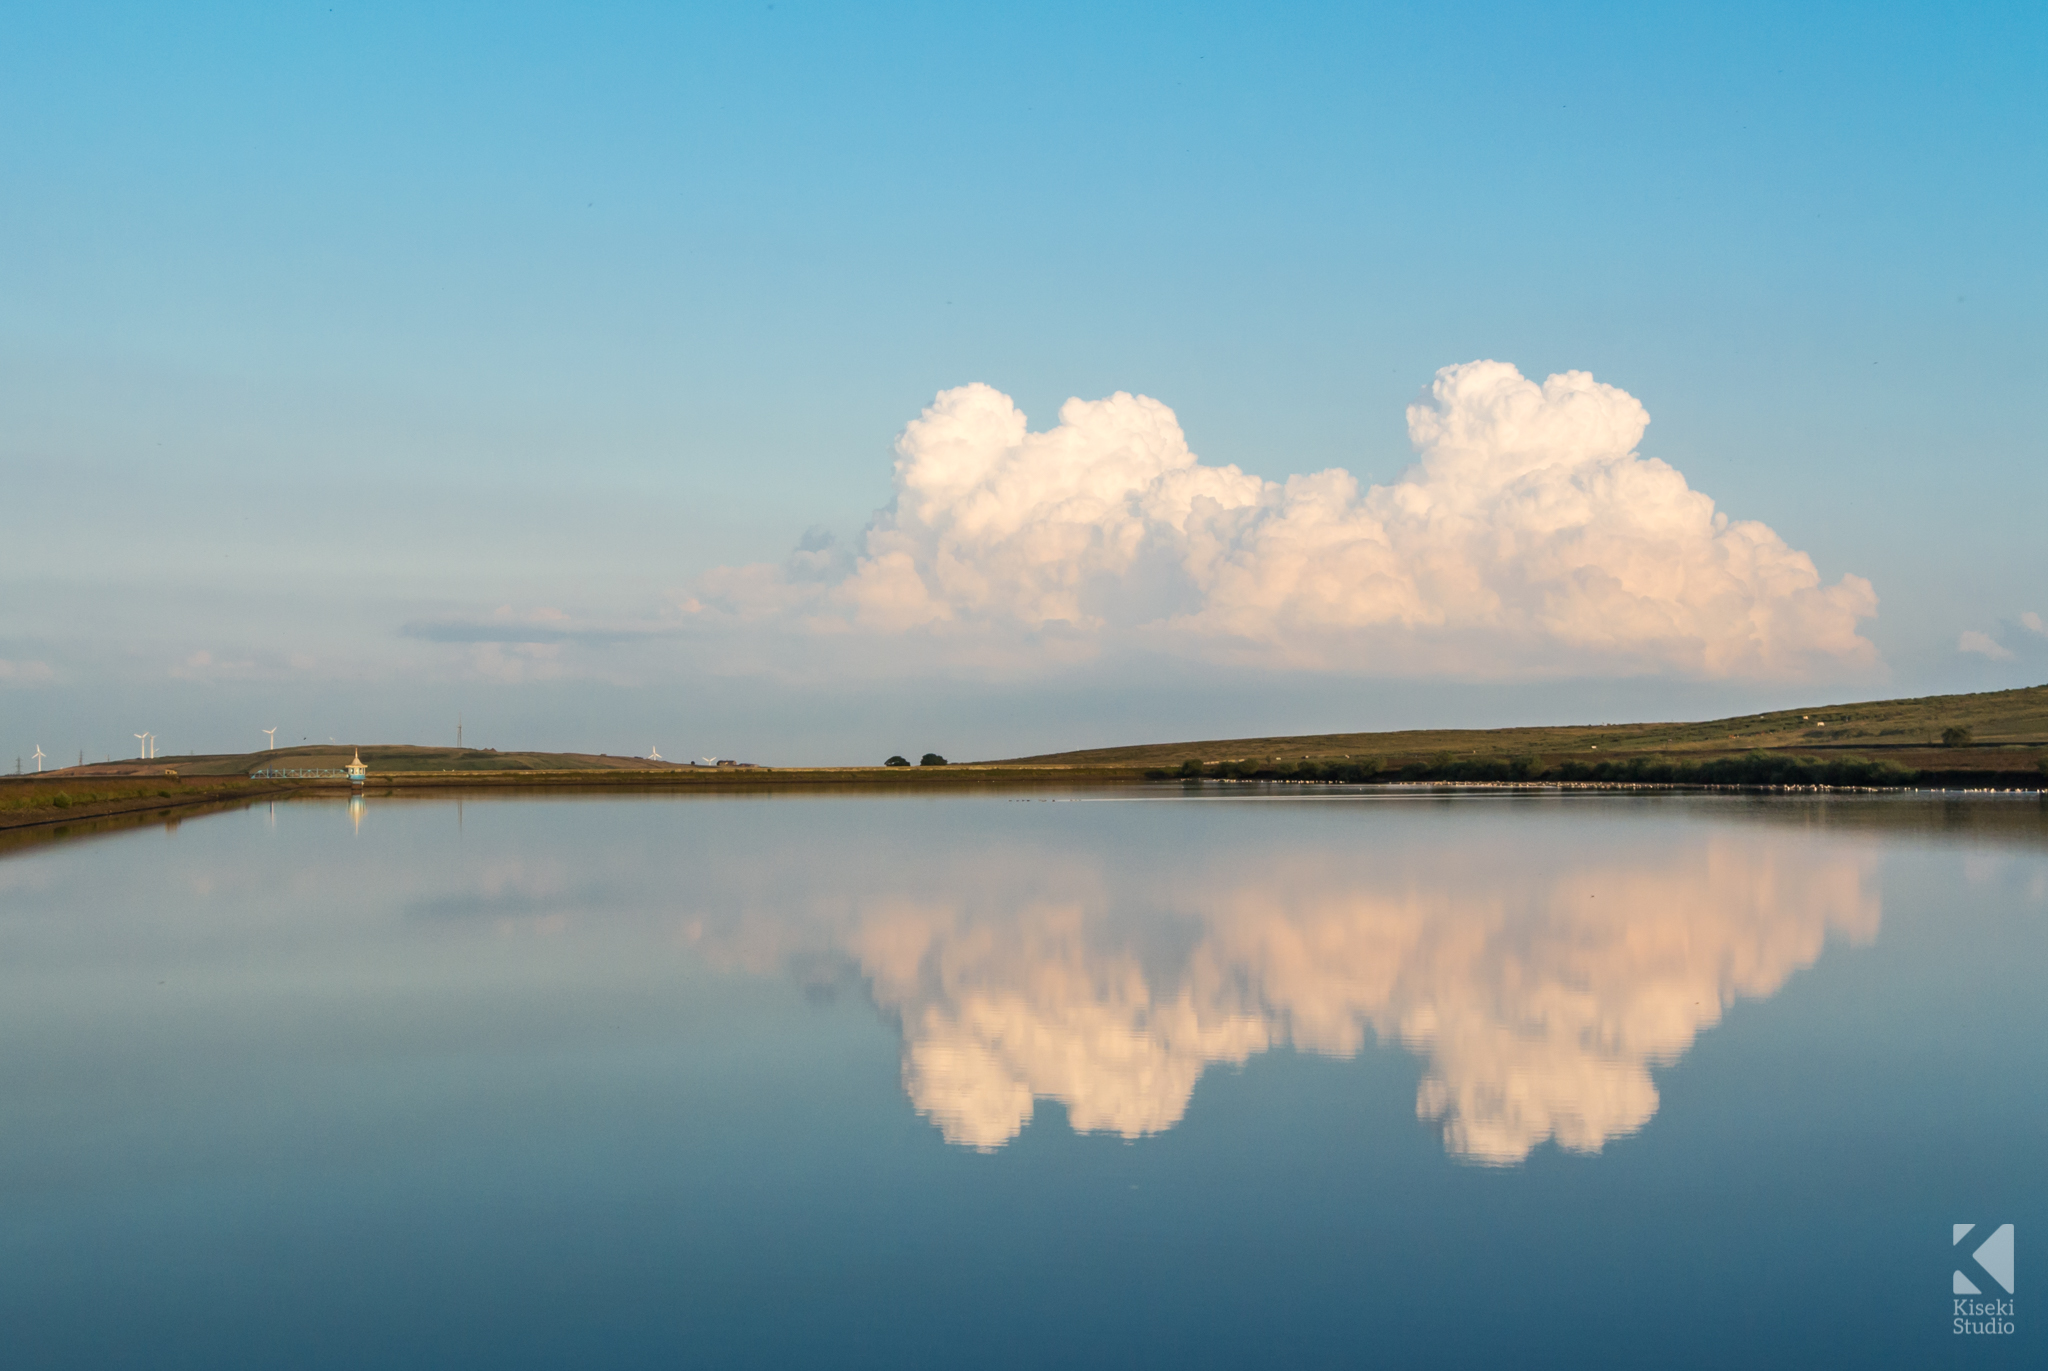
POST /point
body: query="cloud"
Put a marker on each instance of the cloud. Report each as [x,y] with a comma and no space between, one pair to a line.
[537,626]
[1984,645]
[2032,623]
[25,673]
[1540,991]
[1529,539]
[515,663]
[204,666]
[519,646]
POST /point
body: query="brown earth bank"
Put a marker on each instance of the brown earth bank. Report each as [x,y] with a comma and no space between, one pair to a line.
[74,795]
[170,814]
[71,799]
[79,802]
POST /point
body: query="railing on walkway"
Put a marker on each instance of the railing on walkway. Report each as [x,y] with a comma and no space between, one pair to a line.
[274,773]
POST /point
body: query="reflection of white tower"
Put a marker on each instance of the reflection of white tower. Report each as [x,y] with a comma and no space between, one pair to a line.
[357,771]
[355,811]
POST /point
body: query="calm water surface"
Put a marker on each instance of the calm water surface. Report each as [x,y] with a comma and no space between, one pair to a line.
[1015,1080]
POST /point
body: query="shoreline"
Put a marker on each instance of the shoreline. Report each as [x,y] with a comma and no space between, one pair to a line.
[172,802]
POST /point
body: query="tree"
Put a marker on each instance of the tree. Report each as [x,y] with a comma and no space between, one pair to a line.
[1955,736]
[931,759]
[896,761]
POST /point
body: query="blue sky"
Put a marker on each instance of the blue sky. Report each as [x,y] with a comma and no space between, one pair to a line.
[323,322]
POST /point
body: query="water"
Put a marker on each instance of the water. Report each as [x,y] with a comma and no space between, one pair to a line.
[1023,1080]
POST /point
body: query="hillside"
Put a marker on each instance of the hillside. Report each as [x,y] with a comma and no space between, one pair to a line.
[2009,729]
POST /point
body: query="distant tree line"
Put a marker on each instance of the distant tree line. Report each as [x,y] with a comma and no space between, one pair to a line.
[929,759]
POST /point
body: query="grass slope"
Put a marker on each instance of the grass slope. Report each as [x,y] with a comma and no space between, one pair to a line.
[2009,727]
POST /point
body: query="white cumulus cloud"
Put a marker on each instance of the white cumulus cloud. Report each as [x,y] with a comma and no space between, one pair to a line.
[1529,538]
[2032,623]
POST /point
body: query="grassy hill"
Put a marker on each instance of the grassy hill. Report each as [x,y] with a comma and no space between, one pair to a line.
[2009,730]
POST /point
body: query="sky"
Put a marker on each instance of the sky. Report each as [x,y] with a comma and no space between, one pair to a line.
[697,378]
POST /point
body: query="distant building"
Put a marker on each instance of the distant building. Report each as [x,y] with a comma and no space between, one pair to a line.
[357,771]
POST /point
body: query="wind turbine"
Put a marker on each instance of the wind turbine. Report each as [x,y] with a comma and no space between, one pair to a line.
[654,754]
[39,756]
[141,747]
[271,735]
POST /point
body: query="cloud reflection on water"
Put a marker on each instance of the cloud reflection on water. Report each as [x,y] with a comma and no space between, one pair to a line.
[1539,991]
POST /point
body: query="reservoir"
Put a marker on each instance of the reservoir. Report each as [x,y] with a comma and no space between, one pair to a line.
[1217,1076]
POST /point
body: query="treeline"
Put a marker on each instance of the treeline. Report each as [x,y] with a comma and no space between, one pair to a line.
[1756,768]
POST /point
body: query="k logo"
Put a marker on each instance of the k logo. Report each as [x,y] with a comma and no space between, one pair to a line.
[1992,1258]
